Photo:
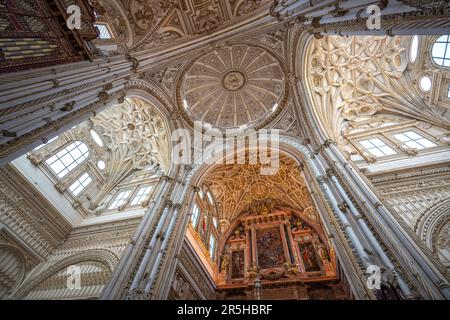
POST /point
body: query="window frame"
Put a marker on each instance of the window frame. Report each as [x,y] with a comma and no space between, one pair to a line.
[446,51]
[405,143]
[84,187]
[142,197]
[195,217]
[125,199]
[212,249]
[58,158]
[385,144]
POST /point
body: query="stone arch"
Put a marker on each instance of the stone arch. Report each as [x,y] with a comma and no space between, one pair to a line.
[11,278]
[102,256]
[431,221]
[296,149]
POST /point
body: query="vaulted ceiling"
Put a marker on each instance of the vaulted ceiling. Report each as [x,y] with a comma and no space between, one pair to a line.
[352,78]
[238,188]
[143,24]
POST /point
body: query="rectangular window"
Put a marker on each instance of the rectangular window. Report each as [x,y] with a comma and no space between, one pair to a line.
[212,246]
[104,31]
[121,199]
[195,215]
[78,186]
[68,158]
[413,140]
[377,147]
[141,196]
[448,93]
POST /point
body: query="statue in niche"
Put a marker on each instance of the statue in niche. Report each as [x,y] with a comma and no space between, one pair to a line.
[238,264]
[389,288]
[253,271]
[225,262]
[204,226]
[299,224]
[290,268]
[323,252]
[238,233]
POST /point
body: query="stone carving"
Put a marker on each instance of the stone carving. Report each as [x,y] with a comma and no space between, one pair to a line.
[248,6]
[357,77]
[136,138]
[207,20]
[237,187]
[221,88]
[142,13]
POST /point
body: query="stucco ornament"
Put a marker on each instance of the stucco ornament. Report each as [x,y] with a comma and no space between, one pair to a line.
[232,86]
[238,188]
[355,77]
[136,138]
[350,77]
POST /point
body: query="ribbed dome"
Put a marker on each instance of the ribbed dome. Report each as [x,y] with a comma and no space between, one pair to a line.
[232,86]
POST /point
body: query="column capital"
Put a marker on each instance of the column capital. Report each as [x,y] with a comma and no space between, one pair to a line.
[331,172]
[321,179]
[168,204]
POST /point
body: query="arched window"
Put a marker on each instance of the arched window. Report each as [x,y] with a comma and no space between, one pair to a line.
[204,220]
[441,51]
[212,246]
[68,158]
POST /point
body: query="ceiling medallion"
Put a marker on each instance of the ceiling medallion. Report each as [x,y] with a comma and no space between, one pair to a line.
[233,87]
[234,80]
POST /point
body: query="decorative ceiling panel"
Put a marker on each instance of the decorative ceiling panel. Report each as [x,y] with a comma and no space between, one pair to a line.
[144,24]
[238,188]
[358,77]
[233,86]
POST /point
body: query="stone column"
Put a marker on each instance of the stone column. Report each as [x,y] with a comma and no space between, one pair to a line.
[429,282]
[358,17]
[139,244]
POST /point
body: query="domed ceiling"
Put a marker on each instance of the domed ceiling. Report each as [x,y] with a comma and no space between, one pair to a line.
[233,86]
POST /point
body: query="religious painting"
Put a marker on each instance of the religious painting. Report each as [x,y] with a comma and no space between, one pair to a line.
[270,248]
[309,257]
[237,264]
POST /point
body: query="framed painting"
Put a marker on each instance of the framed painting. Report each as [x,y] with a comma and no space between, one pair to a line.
[309,257]
[270,248]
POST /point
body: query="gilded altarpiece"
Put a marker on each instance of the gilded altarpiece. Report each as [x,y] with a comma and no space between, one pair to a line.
[276,247]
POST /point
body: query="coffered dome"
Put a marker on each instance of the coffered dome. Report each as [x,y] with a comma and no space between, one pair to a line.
[233,86]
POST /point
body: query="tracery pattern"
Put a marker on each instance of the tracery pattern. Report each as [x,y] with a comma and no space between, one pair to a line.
[237,187]
[137,139]
[359,77]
